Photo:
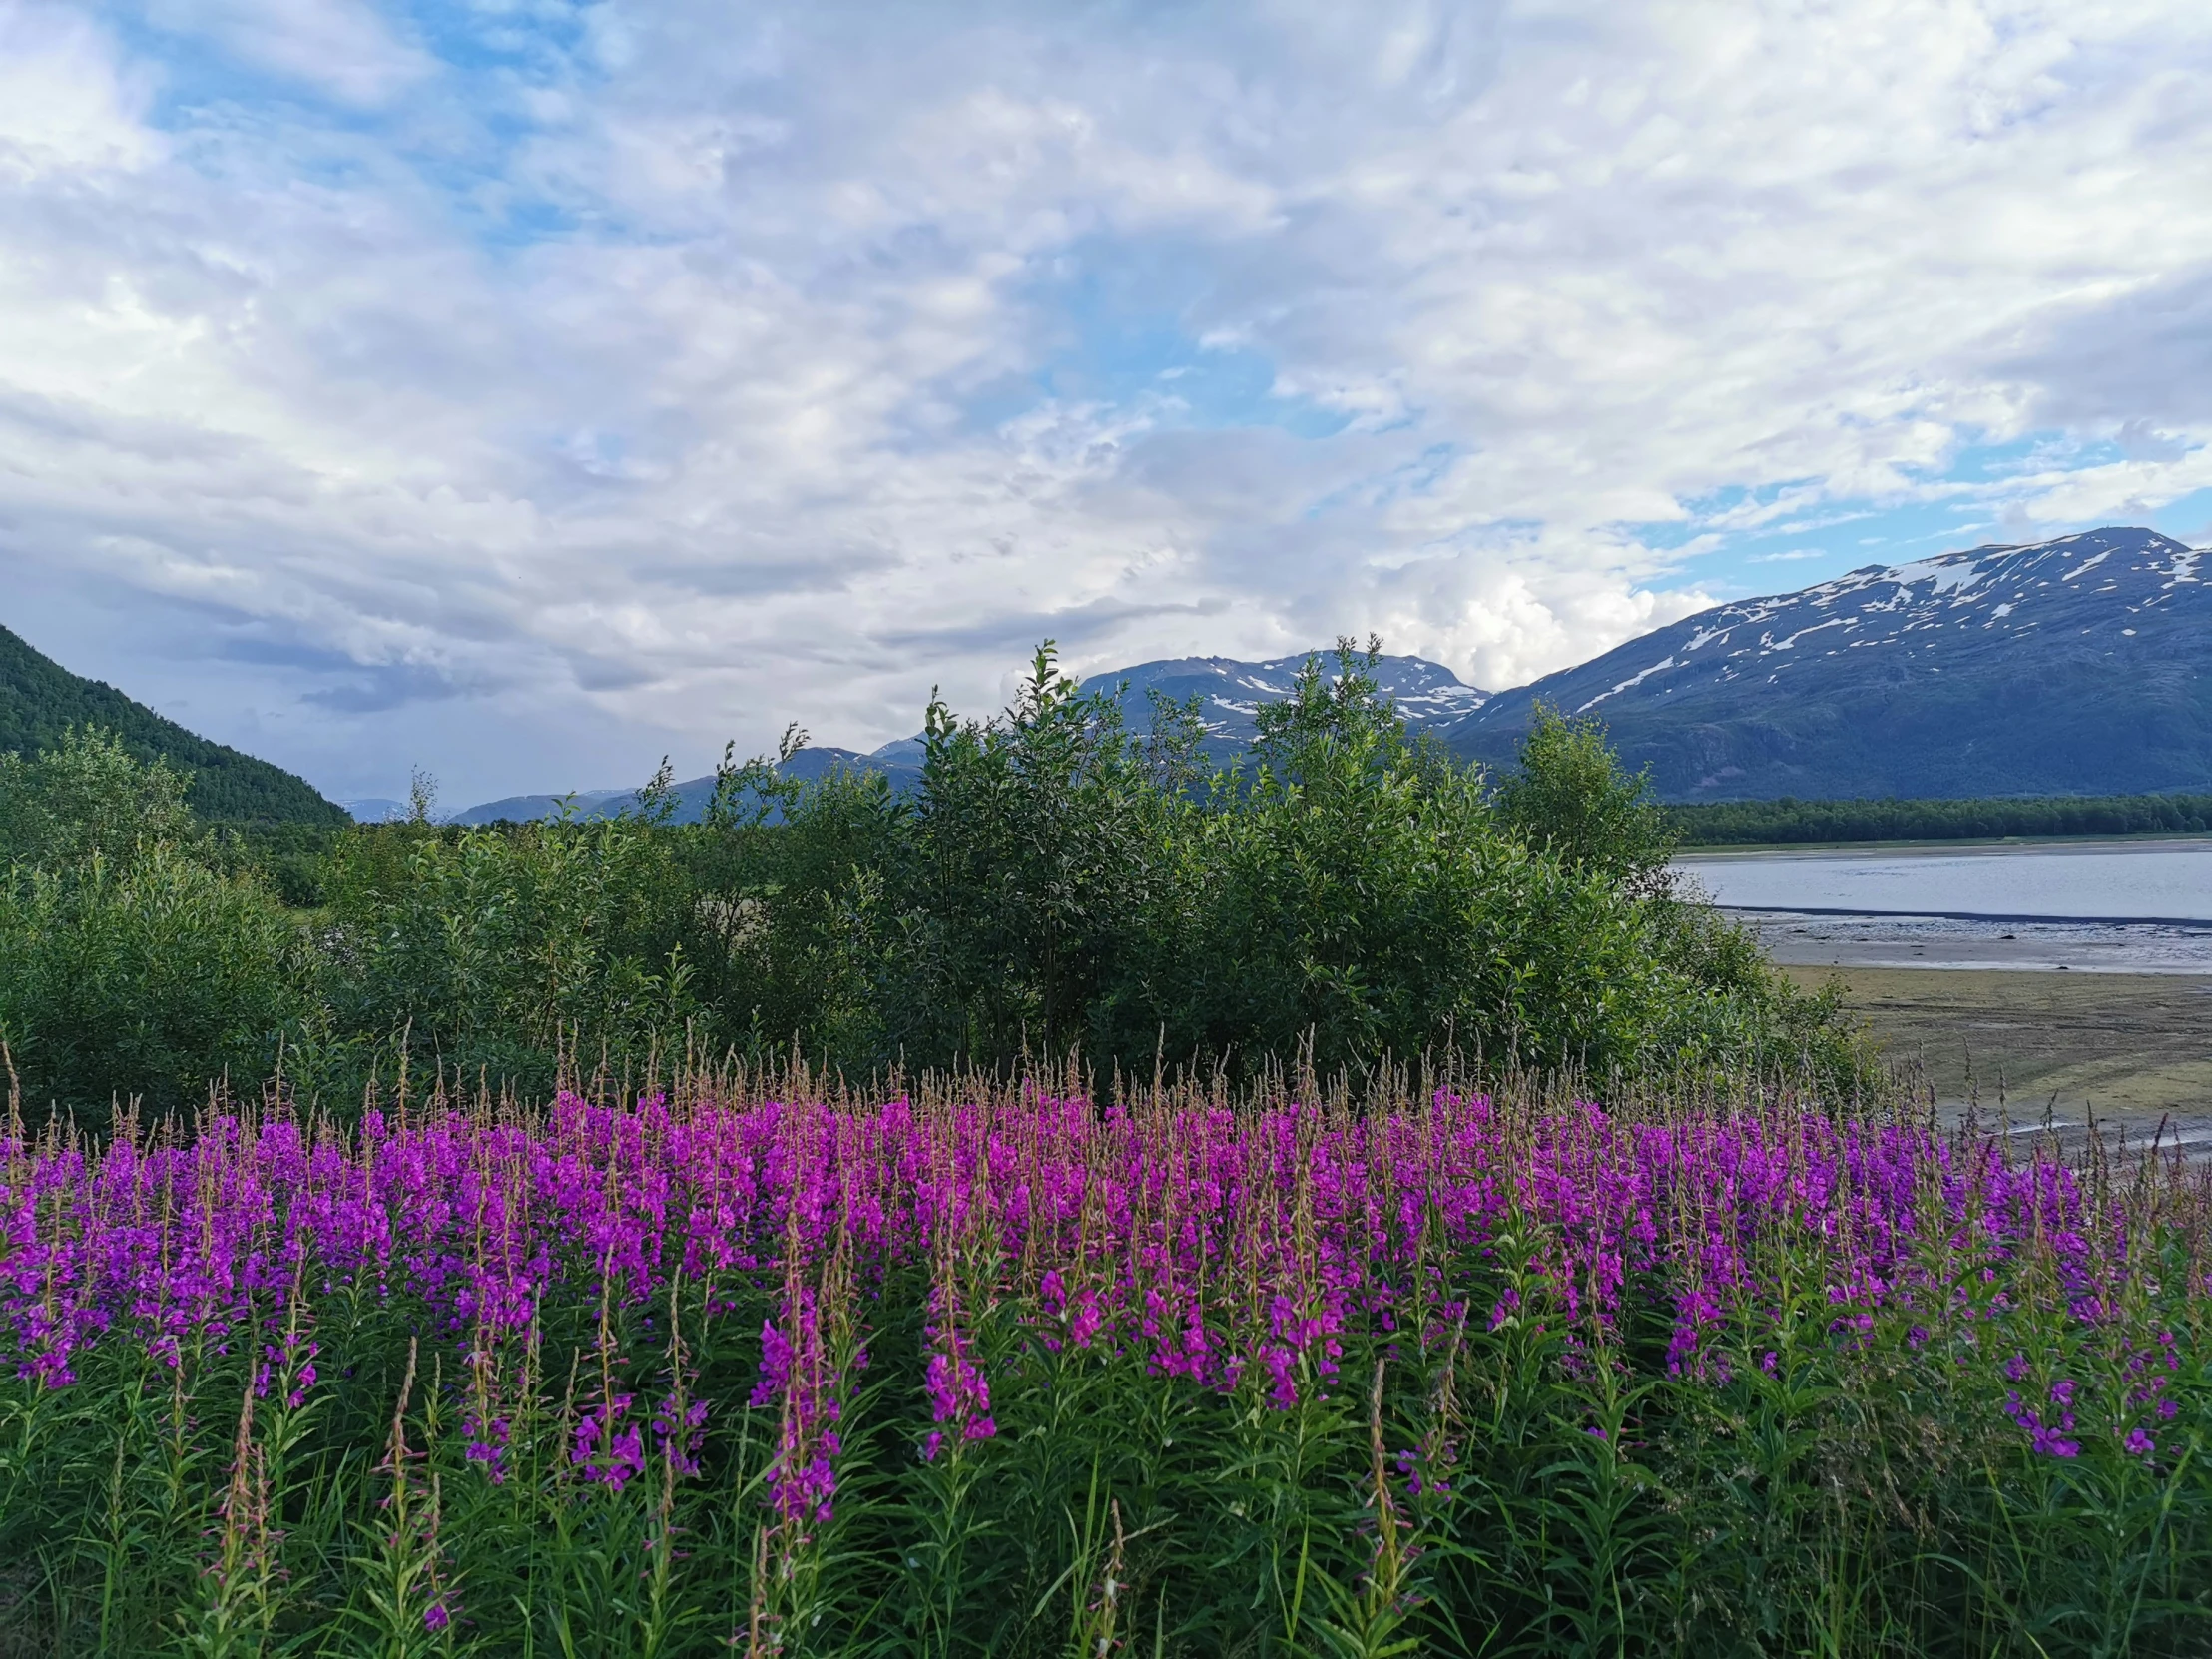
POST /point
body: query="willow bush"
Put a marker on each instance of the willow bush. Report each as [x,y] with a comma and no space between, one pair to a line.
[1054,885]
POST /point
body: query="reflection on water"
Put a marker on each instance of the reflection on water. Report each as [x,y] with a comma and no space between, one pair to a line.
[2104,880]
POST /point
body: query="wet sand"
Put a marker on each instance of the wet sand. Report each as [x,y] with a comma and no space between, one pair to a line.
[2132,1048]
[1809,939]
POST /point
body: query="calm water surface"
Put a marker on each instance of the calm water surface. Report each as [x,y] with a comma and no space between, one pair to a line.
[2109,881]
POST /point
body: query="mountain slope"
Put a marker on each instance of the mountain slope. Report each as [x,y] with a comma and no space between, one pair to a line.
[692,796]
[39,699]
[1230,693]
[2081,666]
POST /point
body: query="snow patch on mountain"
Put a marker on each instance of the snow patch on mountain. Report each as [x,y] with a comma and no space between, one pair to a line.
[1632,680]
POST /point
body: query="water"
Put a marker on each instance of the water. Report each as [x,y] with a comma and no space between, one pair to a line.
[2078,910]
[2099,881]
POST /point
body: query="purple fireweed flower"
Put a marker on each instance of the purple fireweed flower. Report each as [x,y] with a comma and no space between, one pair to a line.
[958,1394]
[1213,1249]
[681,1441]
[606,1449]
[487,1444]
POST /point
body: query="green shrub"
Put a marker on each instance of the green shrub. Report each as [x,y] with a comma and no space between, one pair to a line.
[144,975]
[495,949]
[1569,797]
[88,796]
[1055,885]
[1058,884]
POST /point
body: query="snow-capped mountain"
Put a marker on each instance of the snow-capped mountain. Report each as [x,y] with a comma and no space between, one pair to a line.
[1428,695]
[2082,665]
[1231,692]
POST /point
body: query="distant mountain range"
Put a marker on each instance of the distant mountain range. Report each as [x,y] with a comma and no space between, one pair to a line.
[2080,666]
[693,794]
[1230,693]
[40,700]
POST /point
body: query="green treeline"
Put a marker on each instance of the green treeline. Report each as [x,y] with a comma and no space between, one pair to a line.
[1055,885]
[40,701]
[1767,822]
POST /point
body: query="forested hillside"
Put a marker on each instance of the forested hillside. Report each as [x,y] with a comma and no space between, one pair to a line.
[40,700]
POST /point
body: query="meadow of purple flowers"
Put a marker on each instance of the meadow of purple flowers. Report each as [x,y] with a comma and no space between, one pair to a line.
[754,1366]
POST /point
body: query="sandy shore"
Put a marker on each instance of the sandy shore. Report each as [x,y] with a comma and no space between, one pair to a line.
[2130,1049]
[1805,939]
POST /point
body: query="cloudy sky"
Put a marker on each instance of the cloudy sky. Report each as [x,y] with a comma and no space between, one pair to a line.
[523,388]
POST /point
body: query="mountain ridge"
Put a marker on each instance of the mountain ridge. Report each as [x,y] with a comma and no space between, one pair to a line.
[39,699]
[1230,691]
[2082,665]
[2077,666]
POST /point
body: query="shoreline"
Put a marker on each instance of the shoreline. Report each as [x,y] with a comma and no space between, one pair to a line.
[2187,923]
[1807,938]
[2025,1049]
[2149,841]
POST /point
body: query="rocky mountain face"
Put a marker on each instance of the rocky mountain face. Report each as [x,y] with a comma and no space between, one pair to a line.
[2077,666]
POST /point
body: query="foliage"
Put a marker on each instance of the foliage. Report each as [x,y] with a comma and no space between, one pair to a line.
[128,965]
[1571,798]
[292,859]
[1054,885]
[1018,1372]
[1758,823]
[88,796]
[493,949]
[143,974]
[41,702]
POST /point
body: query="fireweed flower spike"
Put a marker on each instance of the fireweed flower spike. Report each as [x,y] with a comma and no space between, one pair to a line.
[1199,1252]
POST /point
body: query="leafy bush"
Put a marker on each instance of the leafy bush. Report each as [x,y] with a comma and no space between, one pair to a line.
[130,967]
[496,950]
[1571,798]
[1055,885]
[85,796]
[144,975]
[1058,884]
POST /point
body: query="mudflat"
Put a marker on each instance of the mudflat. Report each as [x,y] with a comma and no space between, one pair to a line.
[2131,1047]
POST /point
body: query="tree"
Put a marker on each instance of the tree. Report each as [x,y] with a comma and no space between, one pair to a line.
[1570,799]
[88,796]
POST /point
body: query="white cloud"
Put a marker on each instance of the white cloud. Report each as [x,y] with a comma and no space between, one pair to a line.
[66,106]
[346,48]
[687,371]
